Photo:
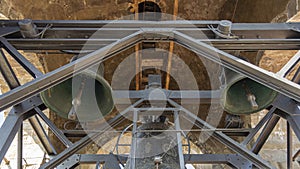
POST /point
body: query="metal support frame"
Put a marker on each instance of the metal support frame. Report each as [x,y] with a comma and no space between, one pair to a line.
[265,134]
[178,137]
[134,140]
[256,129]
[289,146]
[233,145]
[87,139]
[26,103]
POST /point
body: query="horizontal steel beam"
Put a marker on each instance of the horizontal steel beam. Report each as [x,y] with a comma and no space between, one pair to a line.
[188,158]
[94,44]
[185,96]
[228,132]
[83,29]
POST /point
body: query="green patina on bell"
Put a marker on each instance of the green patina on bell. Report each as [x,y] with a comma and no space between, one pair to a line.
[245,96]
[89,89]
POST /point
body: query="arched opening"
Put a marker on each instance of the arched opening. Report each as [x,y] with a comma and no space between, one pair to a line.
[149,11]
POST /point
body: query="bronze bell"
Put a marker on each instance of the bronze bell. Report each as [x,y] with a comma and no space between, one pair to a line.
[245,96]
[85,97]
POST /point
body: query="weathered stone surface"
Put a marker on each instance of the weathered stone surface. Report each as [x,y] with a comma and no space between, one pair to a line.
[246,11]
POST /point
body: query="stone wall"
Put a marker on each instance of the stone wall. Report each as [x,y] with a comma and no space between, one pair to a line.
[243,11]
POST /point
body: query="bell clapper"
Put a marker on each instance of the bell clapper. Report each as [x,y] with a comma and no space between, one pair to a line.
[76,102]
[250,97]
[157,161]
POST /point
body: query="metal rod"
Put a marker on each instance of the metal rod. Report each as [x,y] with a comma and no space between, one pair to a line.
[260,124]
[50,79]
[296,155]
[20,148]
[267,130]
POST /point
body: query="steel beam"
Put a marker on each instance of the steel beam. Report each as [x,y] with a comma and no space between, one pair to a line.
[289,146]
[13,82]
[57,132]
[13,122]
[251,71]
[88,139]
[42,135]
[7,72]
[228,132]
[50,79]
[260,124]
[29,67]
[185,96]
[290,109]
[94,44]
[189,158]
[289,65]
[20,148]
[230,143]
[264,135]
[134,137]
[178,137]
[244,30]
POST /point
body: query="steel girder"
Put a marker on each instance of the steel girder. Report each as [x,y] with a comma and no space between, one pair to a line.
[71,35]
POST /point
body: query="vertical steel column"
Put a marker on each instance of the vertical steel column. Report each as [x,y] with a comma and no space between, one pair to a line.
[178,136]
[20,148]
[134,139]
[267,130]
[289,146]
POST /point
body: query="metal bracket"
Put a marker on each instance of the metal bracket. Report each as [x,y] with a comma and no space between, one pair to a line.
[70,163]
[157,33]
[238,161]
